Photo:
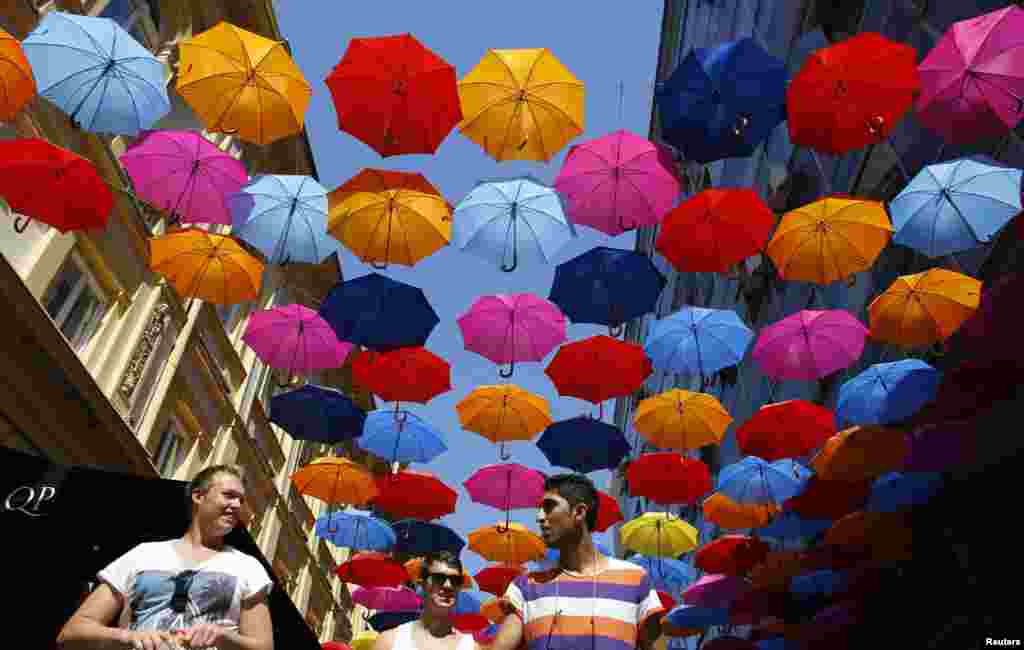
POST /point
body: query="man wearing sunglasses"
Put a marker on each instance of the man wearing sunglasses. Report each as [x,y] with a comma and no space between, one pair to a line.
[441,577]
[193,592]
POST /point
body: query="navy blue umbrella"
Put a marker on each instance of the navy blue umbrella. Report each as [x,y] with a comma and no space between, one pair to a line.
[607,286]
[583,444]
[421,538]
[379,313]
[723,101]
[383,621]
[318,414]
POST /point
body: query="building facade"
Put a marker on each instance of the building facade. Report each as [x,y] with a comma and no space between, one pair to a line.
[104,367]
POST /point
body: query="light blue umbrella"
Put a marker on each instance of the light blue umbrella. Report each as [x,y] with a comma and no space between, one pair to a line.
[666,574]
[955,206]
[503,220]
[695,340]
[94,71]
[898,490]
[284,217]
[401,437]
[356,530]
[887,392]
[755,480]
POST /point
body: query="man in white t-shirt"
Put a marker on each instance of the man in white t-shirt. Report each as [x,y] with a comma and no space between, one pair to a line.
[194,592]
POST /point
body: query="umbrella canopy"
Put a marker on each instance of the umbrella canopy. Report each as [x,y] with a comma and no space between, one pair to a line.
[681,419]
[380,180]
[501,220]
[776,570]
[830,239]
[860,453]
[789,429]
[715,230]
[496,578]
[384,621]
[379,313]
[608,512]
[423,538]
[809,344]
[355,530]
[395,95]
[372,569]
[236,81]
[723,101]
[665,573]
[923,308]
[503,412]
[521,104]
[726,513]
[715,590]
[401,437]
[598,368]
[414,495]
[700,341]
[658,534]
[817,583]
[510,328]
[955,206]
[509,543]
[828,499]
[413,374]
[668,478]
[17,83]
[731,555]
[900,490]
[506,486]
[887,392]
[184,174]
[754,480]
[562,444]
[335,481]
[201,264]
[790,525]
[691,617]
[94,71]
[386,599]
[318,414]
[284,217]
[296,339]
[618,182]
[887,537]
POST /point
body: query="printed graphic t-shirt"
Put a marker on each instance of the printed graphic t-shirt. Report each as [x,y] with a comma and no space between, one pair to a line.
[149,575]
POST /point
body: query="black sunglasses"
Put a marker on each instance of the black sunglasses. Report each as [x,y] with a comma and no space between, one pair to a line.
[182,583]
[439,579]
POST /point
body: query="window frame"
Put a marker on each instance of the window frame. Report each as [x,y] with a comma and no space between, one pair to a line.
[180,451]
[86,281]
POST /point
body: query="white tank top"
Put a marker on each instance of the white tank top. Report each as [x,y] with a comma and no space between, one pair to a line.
[403,639]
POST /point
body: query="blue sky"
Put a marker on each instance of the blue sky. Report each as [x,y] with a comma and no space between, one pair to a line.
[603,44]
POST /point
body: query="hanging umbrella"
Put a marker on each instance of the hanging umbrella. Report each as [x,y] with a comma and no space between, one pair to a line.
[503,219]
[955,206]
[335,481]
[839,101]
[17,83]
[384,621]
[284,217]
[658,534]
[887,392]
[726,513]
[681,419]
[414,495]
[423,538]
[923,308]
[376,181]
[668,478]
[776,570]
[386,599]
[94,71]
[511,543]
[379,313]
[200,264]
[414,567]
[686,620]
[317,414]
[236,81]
[700,341]
[502,413]
[413,374]
[733,555]
[665,573]
[817,583]
[790,525]
[296,339]
[900,490]
[789,429]
[971,85]
[723,101]
[355,530]
[608,512]
[715,230]
[753,480]
[809,344]
[506,486]
[715,591]
[395,95]
[607,286]
[401,437]
[562,444]
[372,569]
[521,104]
[860,453]
[828,499]
[618,182]
[45,182]
[598,368]
[886,537]
[496,578]
[830,239]
[510,328]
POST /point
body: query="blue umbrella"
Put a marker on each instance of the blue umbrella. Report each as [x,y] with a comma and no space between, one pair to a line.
[468,602]
[356,530]
[551,556]
[817,583]
[502,220]
[284,217]
[755,480]
[790,525]
[667,574]
[420,538]
[955,206]
[317,414]
[607,286]
[94,71]
[695,340]
[690,616]
[887,392]
[384,621]
[898,490]
[379,313]
[401,437]
[605,446]
[722,102]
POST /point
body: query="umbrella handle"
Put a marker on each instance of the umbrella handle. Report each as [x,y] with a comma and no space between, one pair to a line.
[502,454]
[515,247]
[615,331]
[511,369]
[366,616]
[623,227]
[515,262]
[21,224]
[379,266]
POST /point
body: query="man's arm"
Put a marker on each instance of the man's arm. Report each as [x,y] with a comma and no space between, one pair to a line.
[255,630]
[89,628]
[510,634]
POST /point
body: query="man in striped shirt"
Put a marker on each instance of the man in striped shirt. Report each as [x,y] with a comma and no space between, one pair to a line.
[589,601]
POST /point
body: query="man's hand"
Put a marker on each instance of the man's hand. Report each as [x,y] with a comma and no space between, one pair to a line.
[150,640]
[204,635]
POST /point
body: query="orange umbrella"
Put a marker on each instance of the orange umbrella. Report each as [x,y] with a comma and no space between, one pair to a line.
[17,84]
[923,308]
[776,570]
[861,453]
[726,513]
[201,264]
[885,537]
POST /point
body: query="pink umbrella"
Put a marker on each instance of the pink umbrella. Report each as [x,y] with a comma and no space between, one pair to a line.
[506,486]
[810,344]
[972,81]
[387,599]
[506,328]
[618,183]
[185,174]
[296,339]
[716,590]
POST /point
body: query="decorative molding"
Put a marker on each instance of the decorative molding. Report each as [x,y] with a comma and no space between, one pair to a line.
[151,336]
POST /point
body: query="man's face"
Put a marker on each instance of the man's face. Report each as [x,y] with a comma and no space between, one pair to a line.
[557,519]
[441,585]
[220,506]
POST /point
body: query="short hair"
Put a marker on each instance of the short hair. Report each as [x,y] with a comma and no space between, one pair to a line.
[205,477]
[576,489]
[444,557]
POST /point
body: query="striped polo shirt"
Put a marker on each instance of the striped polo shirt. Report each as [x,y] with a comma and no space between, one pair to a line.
[560,611]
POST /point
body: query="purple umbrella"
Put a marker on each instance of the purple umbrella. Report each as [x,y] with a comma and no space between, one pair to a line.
[386,599]
[618,183]
[716,591]
[506,486]
[810,344]
[506,328]
[185,174]
[296,339]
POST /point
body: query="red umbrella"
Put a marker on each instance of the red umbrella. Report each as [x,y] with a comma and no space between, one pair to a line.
[667,601]
[496,578]
[395,95]
[608,512]
[822,499]
[668,477]
[731,554]
[53,185]
[334,645]
[372,569]
[414,495]
[789,429]
[469,623]
[715,230]
[851,94]
[404,375]
[598,368]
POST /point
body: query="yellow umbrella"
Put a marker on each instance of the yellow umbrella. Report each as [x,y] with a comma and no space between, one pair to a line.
[830,239]
[364,640]
[659,534]
[335,481]
[200,264]
[726,513]
[398,226]
[923,308]
[521,104]
[681,419]
[861,453]
[503,412]
[236,81]
[511,543]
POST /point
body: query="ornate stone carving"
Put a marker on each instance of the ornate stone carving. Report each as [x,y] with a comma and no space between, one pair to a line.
[151,337]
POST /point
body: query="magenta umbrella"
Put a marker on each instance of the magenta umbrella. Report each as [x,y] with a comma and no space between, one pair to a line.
[810,344]
[716,590]
[386,599]
[972,81]
[617,183]
[507,328]
[185,174]
[506,486]
[296,339]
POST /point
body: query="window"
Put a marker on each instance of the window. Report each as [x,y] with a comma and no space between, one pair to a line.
[171,450]
[74,302]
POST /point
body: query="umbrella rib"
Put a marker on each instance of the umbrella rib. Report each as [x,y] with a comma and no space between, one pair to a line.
[557,108]
[540,131]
